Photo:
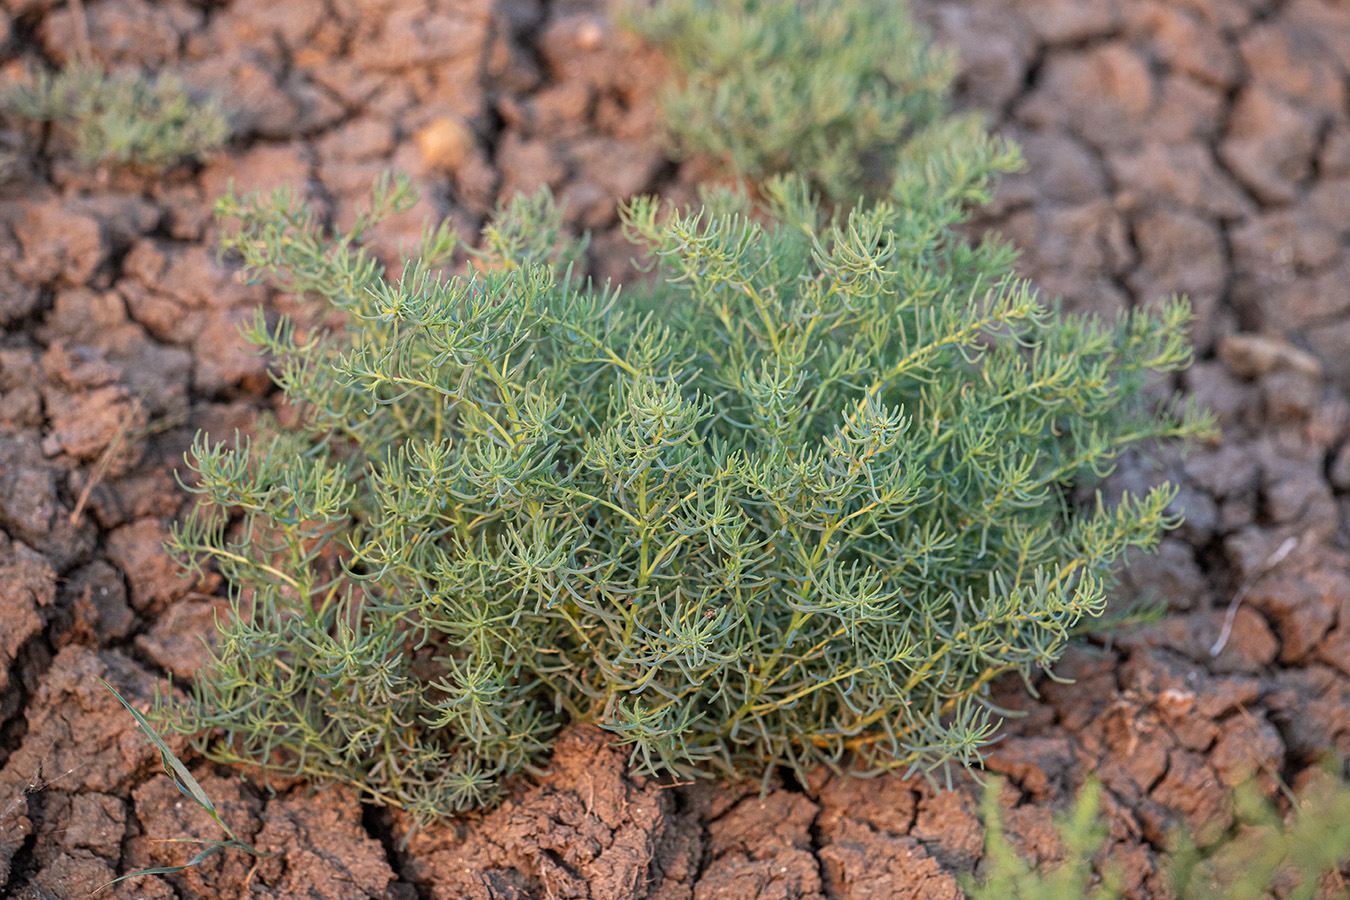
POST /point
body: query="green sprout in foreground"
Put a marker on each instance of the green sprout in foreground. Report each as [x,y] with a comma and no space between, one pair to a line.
[190,788]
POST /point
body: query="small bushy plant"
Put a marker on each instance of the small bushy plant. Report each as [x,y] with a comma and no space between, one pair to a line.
[800,505]
[1297,857]
[830,90]
[121,119]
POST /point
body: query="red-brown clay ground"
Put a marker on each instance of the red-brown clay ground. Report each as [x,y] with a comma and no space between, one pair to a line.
[1195,145]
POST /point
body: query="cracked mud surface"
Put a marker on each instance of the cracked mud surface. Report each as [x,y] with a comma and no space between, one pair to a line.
[1197,146]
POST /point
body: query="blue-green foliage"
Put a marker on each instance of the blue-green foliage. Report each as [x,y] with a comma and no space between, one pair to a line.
[803,511]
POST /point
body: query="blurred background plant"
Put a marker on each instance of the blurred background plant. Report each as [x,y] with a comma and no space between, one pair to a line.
[1299,854]
[835,92]
[122,119]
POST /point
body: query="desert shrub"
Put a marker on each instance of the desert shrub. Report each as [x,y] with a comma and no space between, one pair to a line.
[1297,856]
[799,506]
[122,119]
[831,90]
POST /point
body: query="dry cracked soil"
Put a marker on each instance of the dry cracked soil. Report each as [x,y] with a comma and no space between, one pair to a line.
[1196,146]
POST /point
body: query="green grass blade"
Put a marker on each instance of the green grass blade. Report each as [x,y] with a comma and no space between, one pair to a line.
[187,785]
[216,847]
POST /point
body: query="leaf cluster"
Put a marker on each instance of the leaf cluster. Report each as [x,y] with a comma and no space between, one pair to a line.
[121,119]
[801,505]
[834,91]
[1298,855]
